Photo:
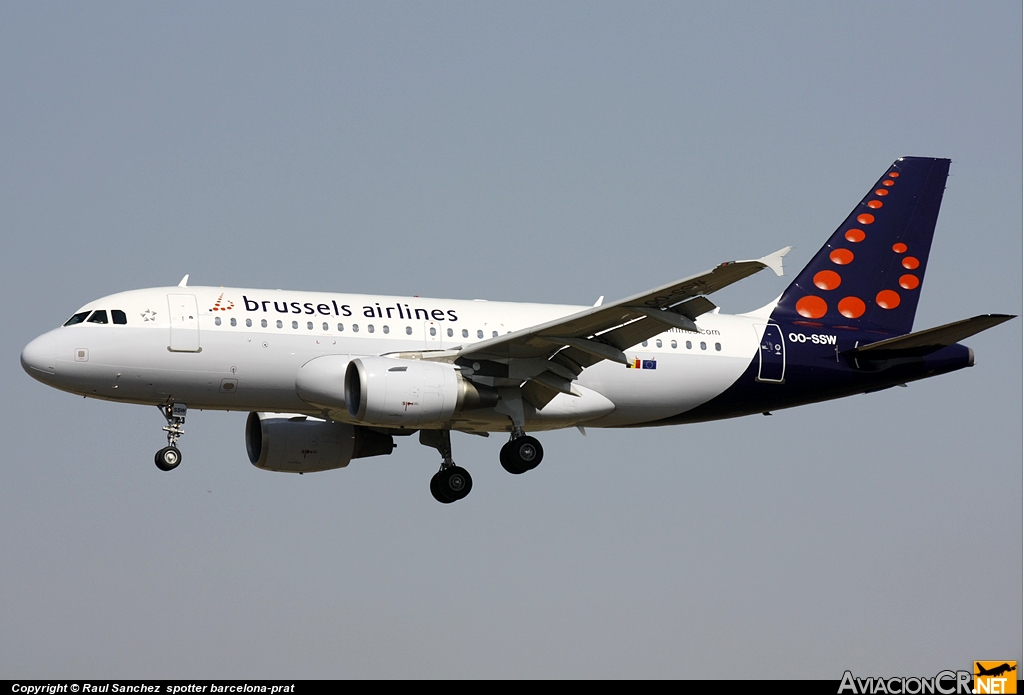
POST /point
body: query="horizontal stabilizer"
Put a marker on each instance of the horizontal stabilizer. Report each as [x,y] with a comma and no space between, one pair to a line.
[928,341]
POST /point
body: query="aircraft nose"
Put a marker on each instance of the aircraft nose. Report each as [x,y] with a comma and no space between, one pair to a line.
[39,358]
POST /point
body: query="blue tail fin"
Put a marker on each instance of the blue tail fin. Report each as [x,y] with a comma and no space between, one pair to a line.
[870,272]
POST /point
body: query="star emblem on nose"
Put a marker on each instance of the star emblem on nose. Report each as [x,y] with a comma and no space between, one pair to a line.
[148,315]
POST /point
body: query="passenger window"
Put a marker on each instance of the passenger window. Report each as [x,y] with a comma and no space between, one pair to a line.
[369,329]
[387,329]
[341,328]
[479,334]
[77,318]
[234,322]
[295,324]
[355,327]
[689,345]
[494,334]
[465,333]
[644,343]
[703,345]
[433,331]
[98,316]
[674,345]
[326,328]
[280,323]
[309,325]
[408,330]
[658,342]
[118,317]
[718,346]
[248,323]
[263,323]
[450,332]
[216,320]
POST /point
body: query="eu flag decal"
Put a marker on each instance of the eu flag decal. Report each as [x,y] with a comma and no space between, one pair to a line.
[642,364]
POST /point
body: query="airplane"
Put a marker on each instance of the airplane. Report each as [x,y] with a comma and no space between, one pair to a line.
[994,671]
[328,377]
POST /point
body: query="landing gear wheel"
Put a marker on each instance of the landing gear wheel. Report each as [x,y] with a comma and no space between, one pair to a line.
[436,491]
[168,458]
[521,454]
[506,460]
[451,484]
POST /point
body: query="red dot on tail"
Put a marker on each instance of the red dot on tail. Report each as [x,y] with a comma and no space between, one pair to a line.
[811,307]
[851,307]
[899,247]
[909,282]
[910,263]
[888,183]
[874,204]
[866,218]
[887,299]
[827,280]
[855,235]
[841,256]
[881,192]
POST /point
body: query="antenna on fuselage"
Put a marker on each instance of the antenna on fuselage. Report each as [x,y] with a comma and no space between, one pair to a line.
[184,281]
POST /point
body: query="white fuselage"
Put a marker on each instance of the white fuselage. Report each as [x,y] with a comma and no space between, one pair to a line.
[241,349]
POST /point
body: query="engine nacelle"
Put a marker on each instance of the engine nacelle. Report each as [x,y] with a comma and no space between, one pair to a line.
[321,381]
[409,393]
[294,443]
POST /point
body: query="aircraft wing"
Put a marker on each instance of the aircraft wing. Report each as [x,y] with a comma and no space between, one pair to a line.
[559,350]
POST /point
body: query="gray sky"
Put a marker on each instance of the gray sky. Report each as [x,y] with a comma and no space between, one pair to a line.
[530,152]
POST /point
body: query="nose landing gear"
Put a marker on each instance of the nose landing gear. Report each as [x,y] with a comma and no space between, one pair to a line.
[168,458]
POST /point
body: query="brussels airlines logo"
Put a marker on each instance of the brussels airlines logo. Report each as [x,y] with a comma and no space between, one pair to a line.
[221,305]
[397,310]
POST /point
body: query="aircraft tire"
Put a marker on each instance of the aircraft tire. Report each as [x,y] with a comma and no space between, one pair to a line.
[525,453]
[168,458]
[506,460]
[454,483]
[435,489]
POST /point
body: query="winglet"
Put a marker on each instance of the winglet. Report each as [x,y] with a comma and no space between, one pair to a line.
[184,281]
[774,260]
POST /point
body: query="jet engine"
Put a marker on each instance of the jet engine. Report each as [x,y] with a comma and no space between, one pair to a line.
[293,443]
[396,392]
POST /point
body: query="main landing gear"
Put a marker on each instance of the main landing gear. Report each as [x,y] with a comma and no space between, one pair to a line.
[168,458]
[451,483]
[521,453]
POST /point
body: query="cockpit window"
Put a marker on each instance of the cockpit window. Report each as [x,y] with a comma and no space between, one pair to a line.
[118,317]
[77,318]
[98,316]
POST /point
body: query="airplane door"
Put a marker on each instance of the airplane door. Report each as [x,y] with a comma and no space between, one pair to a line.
[772,355]
[184,322]
[432,335]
